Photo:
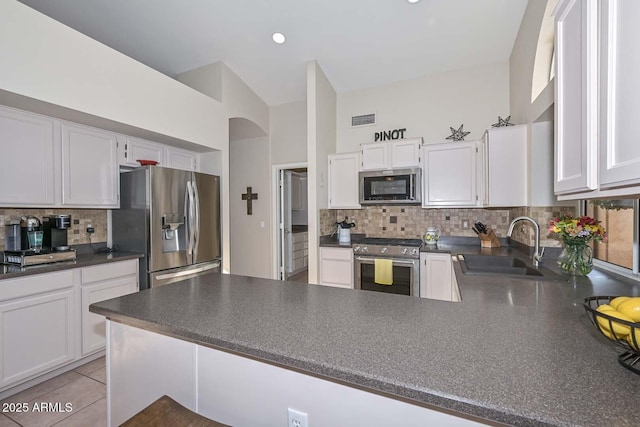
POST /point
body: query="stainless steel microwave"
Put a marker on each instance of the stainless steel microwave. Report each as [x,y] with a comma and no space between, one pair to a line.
[395,186]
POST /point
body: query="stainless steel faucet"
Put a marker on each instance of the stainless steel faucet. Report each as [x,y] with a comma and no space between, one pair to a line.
[537,254]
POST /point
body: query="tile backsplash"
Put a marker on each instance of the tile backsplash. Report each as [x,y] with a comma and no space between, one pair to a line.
[412,221]
[80,218]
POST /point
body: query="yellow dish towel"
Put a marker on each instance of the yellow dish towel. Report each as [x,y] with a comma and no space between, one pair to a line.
[383,271]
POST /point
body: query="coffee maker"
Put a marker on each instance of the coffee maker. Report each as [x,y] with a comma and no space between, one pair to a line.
[27,224]
[55,232]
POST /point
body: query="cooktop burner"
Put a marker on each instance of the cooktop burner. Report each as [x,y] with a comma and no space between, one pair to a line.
[391,242]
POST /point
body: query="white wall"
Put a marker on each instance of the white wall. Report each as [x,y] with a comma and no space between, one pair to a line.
[250,234]
[240,100]
[427,106]
[51,68]
[288,126]
[321,141]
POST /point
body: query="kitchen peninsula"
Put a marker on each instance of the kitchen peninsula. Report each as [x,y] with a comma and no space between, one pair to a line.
[242,350]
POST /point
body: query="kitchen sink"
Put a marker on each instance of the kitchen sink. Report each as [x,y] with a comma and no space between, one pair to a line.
[504,266]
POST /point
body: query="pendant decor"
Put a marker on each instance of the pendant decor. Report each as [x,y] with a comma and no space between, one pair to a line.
[576,233]
[457,135]
[502,122]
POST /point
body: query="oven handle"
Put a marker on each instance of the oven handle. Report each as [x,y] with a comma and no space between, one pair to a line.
[399,261]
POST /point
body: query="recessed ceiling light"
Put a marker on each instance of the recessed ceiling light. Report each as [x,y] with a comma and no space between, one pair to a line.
[278,38]
[413,1]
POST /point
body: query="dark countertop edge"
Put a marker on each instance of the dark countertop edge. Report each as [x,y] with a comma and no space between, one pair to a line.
[450,405]
[82,260]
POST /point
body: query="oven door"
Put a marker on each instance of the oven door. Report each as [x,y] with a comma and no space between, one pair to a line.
[406,273]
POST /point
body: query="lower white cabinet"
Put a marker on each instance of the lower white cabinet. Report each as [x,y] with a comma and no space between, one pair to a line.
[437,280]
[37,325]
[39,315]
[100,283]
[336,267]
[300,260]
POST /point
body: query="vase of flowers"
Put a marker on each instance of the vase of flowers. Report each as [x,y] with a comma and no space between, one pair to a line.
[577,256]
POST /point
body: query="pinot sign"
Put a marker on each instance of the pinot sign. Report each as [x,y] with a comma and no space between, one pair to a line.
[387,135]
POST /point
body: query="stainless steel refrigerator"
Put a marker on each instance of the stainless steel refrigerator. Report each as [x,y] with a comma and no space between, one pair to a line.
[173,217]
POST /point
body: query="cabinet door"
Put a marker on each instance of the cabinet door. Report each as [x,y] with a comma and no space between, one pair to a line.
[27,161]
[619,90]
[93,325]
[507,166]
[450,175]
[406,153]
[336,267]
[90,167]
[182,159]
[37,326]
[343,181]
[435,276]
[576,149]
[376,155]
[296,192]
[132,149]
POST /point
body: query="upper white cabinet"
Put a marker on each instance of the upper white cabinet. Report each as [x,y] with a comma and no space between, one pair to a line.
[133,149]
[619,94]
[298,192]
[451,174]
[30,144]
[182,159]
[90,176]
[343,181]
[598,60]
[505,166]
[396,154]
[576,96]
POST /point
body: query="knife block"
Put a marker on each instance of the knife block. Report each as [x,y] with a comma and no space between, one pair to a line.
[489,240]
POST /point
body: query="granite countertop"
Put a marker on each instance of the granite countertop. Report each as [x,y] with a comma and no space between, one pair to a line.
[82,260]
[331,241]
[514,351]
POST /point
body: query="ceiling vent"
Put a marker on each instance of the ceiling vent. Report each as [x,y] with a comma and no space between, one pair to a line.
[364,120]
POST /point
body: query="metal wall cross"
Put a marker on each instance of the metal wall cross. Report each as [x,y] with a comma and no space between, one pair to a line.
[249,196]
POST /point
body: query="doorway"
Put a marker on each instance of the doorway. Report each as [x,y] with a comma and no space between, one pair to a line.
[291,223]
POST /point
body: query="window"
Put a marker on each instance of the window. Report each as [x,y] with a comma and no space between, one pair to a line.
[619,218]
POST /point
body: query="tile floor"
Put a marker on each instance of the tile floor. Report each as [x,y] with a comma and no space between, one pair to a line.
[84,388]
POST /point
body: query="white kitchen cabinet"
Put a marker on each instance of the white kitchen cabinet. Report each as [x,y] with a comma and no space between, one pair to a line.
[30,144]
[505,166]
[90,173]
[37,325]
[336,267]
[298,192]
[343,181]
[300,260]
[576,96]
[436,277]
[597,155]
[130,150]
[182,159]
[396,154]
[451,174]
[619,94]
[99,283]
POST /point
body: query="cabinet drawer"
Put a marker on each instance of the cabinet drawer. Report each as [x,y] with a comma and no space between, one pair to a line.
[38,283]
[300,237]
[343,254]
[109,271]
[300,246]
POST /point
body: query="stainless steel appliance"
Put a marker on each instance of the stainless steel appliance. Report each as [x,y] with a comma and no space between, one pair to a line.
[173,217]
[404,255]
[395,186]
[55,232]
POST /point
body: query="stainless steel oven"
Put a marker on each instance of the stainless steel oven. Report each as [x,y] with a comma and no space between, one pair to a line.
[404,255]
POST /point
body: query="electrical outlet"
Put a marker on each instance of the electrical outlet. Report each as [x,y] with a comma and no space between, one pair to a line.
[465,224]
[296,418]
[90,229]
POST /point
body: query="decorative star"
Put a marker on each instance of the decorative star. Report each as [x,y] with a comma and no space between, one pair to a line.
[457,135]
[502,122]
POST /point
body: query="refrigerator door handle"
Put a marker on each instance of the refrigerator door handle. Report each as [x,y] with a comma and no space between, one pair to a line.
[188,272]
[190,210]
[196,215]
